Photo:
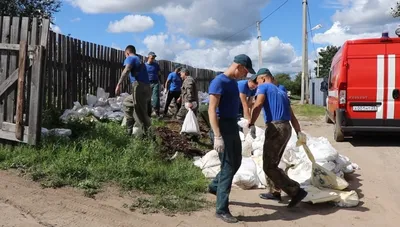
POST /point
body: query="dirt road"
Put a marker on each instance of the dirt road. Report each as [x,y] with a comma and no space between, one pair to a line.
[25,203]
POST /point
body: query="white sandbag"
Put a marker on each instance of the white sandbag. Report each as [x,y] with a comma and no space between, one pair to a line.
[316,195]
[330,166]
[341,163]
[348,169]
[60,132]
[246,177]
[115,116]
[260,171]
[190,124]
[258,153]
[347,199]
[321,149]
[241,135]
[123,124]
[246,149]
[209,164]
[320,176]
[91,100]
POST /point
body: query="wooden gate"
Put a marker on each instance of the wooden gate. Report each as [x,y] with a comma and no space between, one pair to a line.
[23,41]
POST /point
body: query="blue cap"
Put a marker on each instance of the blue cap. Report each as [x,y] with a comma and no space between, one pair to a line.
[244,60]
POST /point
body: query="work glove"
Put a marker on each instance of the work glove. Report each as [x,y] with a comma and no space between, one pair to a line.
[219,144]
[252,130]
[301,138]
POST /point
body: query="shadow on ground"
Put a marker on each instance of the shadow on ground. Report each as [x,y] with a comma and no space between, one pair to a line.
[376,140]
[303,209]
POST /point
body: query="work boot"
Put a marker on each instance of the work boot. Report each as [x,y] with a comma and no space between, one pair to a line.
[271,196]
[129,126]
[227,217]
[297,199]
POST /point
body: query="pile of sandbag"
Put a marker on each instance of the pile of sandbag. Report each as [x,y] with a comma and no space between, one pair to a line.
[100,106]
[295,161]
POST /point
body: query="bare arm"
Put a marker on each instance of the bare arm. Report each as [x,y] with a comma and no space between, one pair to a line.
[250,102]
[246,110]
[212,114]
[257,108]
[167,84]
[125,73]
[294,121]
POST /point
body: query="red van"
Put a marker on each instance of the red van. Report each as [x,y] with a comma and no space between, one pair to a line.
[363,87]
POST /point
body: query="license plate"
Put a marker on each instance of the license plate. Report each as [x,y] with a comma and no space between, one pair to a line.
[365,108]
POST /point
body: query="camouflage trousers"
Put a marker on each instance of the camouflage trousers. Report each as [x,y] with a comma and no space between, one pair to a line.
[277,135]
[136,107]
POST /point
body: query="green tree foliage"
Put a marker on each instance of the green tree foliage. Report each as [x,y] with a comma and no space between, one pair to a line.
[294,86]
[30,8]
[325,60]
[396,10]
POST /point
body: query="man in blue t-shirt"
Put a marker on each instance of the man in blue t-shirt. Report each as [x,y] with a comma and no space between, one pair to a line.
[222,112]
[247,92]
[277,116]
[280,86]
[153,70]
[173,89]
[135,105]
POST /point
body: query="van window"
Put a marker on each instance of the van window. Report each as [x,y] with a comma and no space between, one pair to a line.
[330,82]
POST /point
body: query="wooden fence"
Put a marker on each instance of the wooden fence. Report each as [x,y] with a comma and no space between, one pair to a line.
[76,68]
[21,74]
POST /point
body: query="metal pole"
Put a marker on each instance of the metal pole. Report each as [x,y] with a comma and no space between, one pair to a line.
[304,58]
[259,45]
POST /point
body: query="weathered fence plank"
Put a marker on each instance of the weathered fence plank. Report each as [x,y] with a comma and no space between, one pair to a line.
[19,121]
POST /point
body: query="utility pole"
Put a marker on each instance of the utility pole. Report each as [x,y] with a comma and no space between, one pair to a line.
[305,57]
[259,45]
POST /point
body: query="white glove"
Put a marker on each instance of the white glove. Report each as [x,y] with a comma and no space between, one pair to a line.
[252,130]
[219,144]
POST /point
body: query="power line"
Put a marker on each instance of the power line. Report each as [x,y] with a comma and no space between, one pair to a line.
[254,23]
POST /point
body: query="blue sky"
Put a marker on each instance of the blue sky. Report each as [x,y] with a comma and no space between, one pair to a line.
[285,25]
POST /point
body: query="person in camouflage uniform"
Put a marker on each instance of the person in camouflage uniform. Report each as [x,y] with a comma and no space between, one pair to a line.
[277,116]
[189,96]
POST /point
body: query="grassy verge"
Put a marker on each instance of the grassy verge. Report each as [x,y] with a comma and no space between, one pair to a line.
[100,153]
[308,111]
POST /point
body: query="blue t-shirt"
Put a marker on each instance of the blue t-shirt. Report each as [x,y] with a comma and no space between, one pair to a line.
[228,89]
[141,76]
[276,106]
[176,81]
[152,70]
[244,88]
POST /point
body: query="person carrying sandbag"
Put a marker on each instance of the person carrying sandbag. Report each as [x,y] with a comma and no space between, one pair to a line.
[277,115]
[189,98]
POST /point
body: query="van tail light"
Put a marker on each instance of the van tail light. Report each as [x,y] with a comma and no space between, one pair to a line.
[342,95]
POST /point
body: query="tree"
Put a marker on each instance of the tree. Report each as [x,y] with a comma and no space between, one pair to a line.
[284,79]
[30,8]
[296,85]
[396,10]
[325,60]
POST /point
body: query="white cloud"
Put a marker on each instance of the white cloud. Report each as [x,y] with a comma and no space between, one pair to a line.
[115,46]
[166,46]
[201,43]
[131,23]
[277,55]
[55,28]
[358,19]
[76,19]
[213,19]
[209,19]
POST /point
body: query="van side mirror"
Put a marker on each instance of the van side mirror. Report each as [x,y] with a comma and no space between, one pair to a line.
[324,86]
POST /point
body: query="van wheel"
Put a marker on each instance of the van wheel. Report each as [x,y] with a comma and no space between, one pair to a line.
[327,119]
[338,134]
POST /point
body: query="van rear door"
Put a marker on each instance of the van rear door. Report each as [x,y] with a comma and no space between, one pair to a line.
[365,84]
[393,85]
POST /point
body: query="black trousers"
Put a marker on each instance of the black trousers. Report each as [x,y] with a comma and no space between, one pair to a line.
[172,95]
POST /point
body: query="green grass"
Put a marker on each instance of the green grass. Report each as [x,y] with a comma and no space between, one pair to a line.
[307,110]
[99,153]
